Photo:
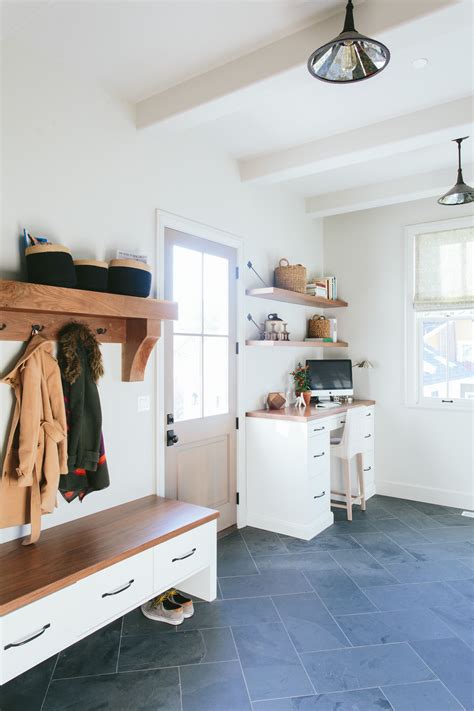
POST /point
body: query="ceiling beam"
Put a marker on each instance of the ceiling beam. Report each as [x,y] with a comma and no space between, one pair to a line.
[381,140]
[414,187]
[224,89]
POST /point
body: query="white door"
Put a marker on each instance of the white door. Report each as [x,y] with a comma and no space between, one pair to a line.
[200,368]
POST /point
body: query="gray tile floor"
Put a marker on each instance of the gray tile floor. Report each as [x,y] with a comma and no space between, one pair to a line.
[369,616]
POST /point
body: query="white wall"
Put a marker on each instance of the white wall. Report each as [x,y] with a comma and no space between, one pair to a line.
[74,168]
[420,454]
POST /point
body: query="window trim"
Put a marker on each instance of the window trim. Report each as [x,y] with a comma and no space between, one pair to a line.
[412,355]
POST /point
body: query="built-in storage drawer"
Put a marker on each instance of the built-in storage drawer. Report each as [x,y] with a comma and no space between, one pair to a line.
[367,434]
[318,427]
[319,496]
[182,556]
[119,587]
[368,465]
[33,633]
[319,454]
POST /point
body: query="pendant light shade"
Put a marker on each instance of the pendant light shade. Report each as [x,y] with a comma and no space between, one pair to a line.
[461,194]
[350,56]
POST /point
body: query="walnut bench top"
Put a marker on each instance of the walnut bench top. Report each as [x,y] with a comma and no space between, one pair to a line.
[295,414]
[72,551]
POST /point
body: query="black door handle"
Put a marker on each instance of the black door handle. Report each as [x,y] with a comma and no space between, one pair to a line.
[30,639]
[183,557]
[171,438]
[116,592]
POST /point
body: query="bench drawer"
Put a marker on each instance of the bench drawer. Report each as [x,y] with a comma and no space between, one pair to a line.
[33,633]
[180,557]
[116,589]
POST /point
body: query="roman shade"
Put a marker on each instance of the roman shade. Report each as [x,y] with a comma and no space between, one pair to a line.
[444,270]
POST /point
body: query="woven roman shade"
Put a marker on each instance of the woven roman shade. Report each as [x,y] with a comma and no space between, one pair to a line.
[444,270]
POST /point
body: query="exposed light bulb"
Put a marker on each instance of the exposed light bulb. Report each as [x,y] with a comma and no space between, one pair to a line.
[349,57]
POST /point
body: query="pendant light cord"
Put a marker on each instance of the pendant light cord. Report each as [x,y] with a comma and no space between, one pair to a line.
[349,21]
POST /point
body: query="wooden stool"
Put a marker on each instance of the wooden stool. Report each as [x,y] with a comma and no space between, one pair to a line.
[345,448]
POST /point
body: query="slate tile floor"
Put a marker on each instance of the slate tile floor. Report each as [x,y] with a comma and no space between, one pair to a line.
[369,616]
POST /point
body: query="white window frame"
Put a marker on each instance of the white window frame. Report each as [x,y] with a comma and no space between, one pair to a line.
[413,352]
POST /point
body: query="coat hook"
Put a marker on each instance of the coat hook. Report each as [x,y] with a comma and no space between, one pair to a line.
[36,328]
[101,331]
[2,326]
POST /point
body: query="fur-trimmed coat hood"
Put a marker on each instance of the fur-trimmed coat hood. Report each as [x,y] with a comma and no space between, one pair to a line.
[76,340]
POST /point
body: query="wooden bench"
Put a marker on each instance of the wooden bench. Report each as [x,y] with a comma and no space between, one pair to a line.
[84,574]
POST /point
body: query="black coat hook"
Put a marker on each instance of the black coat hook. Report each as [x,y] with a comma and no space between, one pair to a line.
[101,331]
[36,328]
[2,326]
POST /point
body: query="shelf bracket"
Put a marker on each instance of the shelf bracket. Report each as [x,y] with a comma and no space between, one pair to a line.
[142,335]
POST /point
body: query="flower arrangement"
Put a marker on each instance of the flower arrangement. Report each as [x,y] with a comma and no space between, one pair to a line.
[301,378]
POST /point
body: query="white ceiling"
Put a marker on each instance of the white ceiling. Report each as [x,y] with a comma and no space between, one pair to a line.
[136,48]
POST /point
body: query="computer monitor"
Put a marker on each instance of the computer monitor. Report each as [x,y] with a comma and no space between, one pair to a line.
[330,378]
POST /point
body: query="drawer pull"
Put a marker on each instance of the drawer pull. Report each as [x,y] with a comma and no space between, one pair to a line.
[367,436]
[116,592]
[28,639]
[319,496]
[369,414]
[367,469]
[186,555]
[319,429]
[315,456]
[342,422]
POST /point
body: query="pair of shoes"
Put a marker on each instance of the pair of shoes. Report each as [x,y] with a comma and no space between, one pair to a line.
[170,607]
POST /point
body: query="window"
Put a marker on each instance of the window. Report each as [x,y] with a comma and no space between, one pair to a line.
[440,314]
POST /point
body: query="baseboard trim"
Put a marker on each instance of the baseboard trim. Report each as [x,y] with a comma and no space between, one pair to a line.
[291,529]
[427,494]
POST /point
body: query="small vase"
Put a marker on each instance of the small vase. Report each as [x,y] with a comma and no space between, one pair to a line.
[307,397]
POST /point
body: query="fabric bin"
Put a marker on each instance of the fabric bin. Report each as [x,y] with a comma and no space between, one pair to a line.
[129,277]
[91,274]
[50,264]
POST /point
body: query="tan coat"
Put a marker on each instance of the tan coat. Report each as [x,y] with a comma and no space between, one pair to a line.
[36,451]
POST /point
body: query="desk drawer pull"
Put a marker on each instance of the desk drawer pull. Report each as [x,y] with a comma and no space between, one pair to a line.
[186,555]
[116,592]
[319,429]
[367,436]
[319,496]
[369,414]
[315,456]
[28,639]
[367,469]
[342,422]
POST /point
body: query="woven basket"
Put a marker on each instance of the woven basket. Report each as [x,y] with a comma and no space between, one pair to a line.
[319,327]
[290,276]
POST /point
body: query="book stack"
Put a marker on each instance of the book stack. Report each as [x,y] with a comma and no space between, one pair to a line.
[325,287]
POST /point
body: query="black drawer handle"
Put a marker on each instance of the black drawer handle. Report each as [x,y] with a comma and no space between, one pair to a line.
[319,429]
[29,639]
[116,592]
[319,496]
[186,555]
[369,414]
[342,422]
[367,469]
[315,456]
[447,400]
[367,436]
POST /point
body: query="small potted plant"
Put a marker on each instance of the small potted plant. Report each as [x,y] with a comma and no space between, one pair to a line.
[302,385]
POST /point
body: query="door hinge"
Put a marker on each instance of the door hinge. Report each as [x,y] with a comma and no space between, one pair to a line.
[237,272]
[237,498]
[236,348]
[236,423]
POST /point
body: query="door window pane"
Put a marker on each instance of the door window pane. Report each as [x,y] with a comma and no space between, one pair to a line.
[187,364]
[216,376]
[216,295]
[187,289]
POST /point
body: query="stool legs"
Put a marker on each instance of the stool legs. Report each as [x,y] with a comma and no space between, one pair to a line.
[346,470]
[360,477]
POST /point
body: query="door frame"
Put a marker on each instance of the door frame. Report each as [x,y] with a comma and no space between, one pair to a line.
[169,220]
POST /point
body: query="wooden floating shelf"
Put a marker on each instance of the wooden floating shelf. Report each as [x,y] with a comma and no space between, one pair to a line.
[129,320]
[294,297]
[297,344]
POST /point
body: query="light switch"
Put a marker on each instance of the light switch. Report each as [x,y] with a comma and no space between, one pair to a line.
[143,403]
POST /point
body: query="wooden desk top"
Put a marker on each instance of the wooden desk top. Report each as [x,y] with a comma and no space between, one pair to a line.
[295,414]
[72,551]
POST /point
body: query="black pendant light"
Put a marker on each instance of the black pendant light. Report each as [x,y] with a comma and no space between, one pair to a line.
[350,56]
[461,194]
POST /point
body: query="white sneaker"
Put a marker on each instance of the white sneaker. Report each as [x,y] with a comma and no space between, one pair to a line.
[185,602]
[161,609]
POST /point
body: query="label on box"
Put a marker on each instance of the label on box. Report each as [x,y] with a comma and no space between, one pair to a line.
[121,254]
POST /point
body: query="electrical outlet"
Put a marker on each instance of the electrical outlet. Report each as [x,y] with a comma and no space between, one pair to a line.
[143,403]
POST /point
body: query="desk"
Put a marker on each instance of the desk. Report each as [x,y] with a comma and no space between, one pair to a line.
[290,470]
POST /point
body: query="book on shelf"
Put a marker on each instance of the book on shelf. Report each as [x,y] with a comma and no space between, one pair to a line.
[325,340]
[326,287]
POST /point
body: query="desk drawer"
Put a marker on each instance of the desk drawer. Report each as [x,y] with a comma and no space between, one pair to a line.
[33,633]
[367,434]
[182,556]
[319,454]
[319,496]
[104,595]
[319,427]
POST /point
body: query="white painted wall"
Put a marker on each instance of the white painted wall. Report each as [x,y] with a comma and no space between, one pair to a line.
[74,168]
[420,454]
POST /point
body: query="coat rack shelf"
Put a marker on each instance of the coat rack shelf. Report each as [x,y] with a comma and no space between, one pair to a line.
[129,320]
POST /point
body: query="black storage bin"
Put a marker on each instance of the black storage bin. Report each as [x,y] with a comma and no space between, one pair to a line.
[50,264]
[91,274]
[129,277]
